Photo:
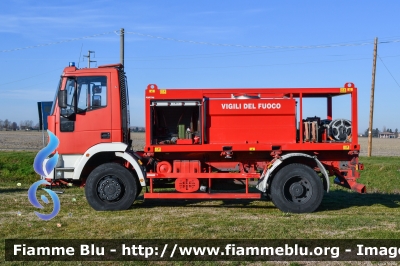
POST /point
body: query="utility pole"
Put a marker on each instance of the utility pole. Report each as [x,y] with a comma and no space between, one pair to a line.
[371,105]
[121,55]
[88,56]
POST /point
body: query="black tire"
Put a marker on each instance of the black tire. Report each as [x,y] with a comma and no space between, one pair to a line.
[111,187]
[297,188]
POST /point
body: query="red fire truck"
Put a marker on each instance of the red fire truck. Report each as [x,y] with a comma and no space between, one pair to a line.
[231,143]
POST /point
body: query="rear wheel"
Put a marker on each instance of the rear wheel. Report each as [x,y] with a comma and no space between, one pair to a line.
[111,187]
[297,188]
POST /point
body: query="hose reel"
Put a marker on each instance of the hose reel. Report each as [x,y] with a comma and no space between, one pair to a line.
[340,129]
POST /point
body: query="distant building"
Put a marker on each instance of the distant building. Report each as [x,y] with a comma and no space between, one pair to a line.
[386,135]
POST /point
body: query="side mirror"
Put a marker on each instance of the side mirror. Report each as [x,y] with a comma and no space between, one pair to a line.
[62,99]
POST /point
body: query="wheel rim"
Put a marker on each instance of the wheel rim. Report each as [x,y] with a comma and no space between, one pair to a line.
[110,188]
[297,190]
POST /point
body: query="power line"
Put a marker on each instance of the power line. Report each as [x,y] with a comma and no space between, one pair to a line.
[213,55]
[54,43]
[389,71]
[258,46]
[29,86]
[30,77]
[277,47]
[191,57]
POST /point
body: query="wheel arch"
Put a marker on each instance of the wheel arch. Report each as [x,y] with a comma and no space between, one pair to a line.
[104,153]
[302,158]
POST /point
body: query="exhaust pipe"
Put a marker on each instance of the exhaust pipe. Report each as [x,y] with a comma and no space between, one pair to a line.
[351,184]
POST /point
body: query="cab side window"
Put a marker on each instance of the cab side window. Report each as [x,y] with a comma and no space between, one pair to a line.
[91,93]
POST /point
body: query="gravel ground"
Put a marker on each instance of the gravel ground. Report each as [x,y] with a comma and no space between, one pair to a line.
[380,147]
[21,140]
[33,140]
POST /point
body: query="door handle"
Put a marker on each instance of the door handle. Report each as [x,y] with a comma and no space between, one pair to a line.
[105,135]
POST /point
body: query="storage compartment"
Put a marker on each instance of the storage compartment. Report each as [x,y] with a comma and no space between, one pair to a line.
[176,122]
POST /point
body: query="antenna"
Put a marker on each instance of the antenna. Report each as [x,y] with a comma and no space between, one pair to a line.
[88,56]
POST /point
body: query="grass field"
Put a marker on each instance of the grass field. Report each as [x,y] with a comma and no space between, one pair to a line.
[343,214]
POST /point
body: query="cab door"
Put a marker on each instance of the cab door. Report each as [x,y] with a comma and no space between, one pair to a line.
[86,121]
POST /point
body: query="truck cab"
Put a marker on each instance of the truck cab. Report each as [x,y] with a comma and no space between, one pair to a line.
[94,108]
[90,118]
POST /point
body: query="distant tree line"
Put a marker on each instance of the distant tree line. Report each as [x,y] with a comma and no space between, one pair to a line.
[138,129]
[9,125]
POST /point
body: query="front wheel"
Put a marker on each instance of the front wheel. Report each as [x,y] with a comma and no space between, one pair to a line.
[297,188]
[111,187]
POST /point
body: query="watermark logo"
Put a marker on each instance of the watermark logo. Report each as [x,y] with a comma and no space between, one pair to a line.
[43,167]
[38,164]
[32,198]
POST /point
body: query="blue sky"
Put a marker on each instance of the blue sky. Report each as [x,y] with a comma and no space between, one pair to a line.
[56,33]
